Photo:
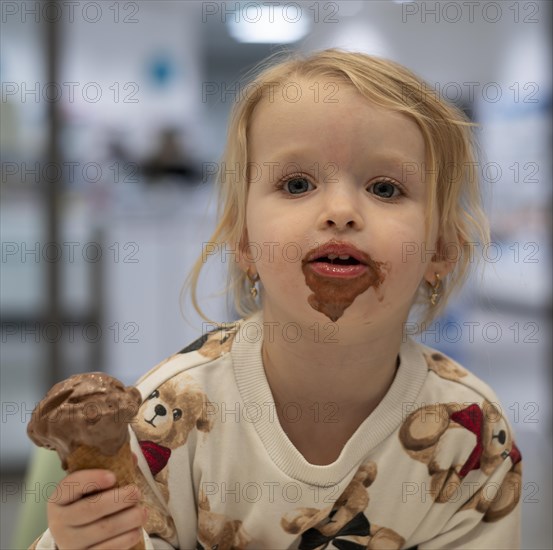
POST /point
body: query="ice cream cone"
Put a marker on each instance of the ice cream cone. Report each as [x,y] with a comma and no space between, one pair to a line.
[121,464]
[86,420]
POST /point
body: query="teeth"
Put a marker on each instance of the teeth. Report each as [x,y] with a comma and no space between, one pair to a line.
[333,257]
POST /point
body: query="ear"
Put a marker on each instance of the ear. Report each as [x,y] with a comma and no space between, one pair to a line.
[448,252]
[366,474]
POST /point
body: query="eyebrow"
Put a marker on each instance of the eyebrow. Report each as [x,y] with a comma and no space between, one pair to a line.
[393,160]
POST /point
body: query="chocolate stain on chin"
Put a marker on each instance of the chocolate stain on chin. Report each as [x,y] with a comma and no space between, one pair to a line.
[332,295]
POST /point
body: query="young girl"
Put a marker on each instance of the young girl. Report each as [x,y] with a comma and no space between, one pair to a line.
[349,199]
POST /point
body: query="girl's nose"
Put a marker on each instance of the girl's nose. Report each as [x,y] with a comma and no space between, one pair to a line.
[342,210]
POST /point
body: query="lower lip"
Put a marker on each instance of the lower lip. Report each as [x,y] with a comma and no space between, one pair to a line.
[337,270]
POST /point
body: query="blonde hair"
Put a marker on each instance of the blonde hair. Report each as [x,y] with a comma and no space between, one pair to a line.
[451,155]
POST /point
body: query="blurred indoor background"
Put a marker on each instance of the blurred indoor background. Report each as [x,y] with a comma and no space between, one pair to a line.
[112,117]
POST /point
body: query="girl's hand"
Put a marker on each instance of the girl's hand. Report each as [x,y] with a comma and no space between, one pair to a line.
[87,511]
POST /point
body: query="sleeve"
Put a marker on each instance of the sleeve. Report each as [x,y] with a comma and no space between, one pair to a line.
[491,515]
[159,531]
[44,542]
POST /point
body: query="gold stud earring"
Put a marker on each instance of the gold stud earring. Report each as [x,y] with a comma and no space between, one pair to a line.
[435,290]
[253,280]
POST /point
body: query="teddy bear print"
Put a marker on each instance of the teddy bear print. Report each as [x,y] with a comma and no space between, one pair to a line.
[444,367]
[497,444]
[163,423]
[217,531]
[344,525]
[423,432]
[212,345]
[166,418]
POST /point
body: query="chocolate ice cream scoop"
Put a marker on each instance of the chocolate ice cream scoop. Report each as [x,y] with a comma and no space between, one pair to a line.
[92,410]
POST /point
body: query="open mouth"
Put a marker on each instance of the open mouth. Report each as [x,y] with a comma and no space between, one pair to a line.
[337,260]
[342,266]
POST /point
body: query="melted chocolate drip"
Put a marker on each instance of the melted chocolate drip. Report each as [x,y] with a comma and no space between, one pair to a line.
[332,295]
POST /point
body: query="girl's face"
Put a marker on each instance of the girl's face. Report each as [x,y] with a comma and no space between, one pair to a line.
[326,164]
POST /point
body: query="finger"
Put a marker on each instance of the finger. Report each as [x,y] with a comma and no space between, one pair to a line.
[112,526]
[101,505]
[135,459]
[126,540]
[76,485]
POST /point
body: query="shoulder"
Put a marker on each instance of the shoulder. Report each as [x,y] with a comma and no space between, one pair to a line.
[213,346]
[448,375]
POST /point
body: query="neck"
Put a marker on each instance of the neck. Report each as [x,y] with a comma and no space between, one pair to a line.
[332,364]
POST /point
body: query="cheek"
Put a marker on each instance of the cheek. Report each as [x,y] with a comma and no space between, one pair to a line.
[407,243]
[260,220]
[274,239]
[408,257]
[280,271]
[260,225]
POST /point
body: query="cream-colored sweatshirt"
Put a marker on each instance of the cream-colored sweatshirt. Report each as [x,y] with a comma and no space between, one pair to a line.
[434,466]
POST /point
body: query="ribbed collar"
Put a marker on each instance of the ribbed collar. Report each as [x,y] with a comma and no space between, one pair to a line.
[383,421]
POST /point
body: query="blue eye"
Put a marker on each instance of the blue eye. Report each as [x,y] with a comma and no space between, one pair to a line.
[295,185]
[385,189]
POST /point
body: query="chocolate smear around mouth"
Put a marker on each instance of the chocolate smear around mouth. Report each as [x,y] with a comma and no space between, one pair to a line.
[332,295]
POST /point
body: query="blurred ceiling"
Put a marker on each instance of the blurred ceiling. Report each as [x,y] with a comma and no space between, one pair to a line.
[462,41]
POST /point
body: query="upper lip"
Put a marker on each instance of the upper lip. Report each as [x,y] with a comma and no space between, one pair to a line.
[340,248]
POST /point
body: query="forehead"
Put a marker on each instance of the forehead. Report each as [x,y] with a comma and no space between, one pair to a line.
[333,119]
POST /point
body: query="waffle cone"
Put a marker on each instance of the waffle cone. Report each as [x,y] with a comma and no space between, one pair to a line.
[121,464]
